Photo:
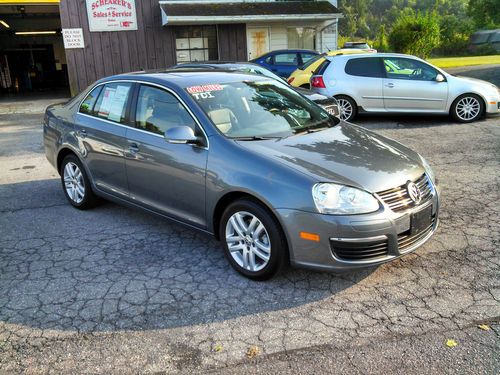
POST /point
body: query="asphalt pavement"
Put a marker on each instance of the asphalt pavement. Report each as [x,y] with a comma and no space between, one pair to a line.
[116,290]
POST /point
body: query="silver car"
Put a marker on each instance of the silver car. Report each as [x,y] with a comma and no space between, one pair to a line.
[247,159]
[394,83]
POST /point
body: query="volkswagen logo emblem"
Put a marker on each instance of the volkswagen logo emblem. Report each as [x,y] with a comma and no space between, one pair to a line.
[414,192]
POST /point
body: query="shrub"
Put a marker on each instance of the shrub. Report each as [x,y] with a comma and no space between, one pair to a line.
[415,34]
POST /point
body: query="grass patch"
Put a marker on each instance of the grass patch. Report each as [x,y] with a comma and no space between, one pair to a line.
[455,62]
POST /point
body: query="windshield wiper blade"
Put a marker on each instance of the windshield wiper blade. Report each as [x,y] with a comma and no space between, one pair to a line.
[254,138]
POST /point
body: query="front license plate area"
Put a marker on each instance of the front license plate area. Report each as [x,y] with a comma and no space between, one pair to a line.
[421,220]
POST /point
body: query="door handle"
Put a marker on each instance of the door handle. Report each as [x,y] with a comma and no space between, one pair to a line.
[82,133]
[133,148]
[390,85]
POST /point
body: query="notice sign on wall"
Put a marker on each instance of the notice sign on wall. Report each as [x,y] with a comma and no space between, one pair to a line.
[111,15]
[73,38]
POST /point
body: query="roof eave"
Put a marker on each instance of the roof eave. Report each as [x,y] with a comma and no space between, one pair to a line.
[196,20]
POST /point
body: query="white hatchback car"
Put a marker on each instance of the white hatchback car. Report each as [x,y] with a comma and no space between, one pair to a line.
[395,83]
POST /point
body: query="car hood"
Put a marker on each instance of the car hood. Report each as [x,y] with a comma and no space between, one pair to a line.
[476,82]
[345,154]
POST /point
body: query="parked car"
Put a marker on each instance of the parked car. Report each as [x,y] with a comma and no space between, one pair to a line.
[284,62]
[484,39]
[301,77]
[330,104]
[359,45]
[394,83]
[249,160]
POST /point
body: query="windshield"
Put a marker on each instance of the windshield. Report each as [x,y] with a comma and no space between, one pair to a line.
[259,109]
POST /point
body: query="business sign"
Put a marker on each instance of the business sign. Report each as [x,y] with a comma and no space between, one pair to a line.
[111,15]
[73,38]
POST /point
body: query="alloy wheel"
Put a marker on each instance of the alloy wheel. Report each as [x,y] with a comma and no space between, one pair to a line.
[468,108]
[73,182]
[345,108]
[248,241]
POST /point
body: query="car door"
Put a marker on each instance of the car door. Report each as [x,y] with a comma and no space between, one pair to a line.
[411,85]
[165,177]
[100,126]
[365,82]
[285,63]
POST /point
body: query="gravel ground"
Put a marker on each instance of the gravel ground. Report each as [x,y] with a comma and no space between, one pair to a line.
[114,290]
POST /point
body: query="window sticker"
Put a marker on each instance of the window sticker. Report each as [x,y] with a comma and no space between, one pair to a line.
[204,91]
[109,93]
[118,102]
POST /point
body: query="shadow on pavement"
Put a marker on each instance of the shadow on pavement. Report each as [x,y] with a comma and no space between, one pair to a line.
[114,268]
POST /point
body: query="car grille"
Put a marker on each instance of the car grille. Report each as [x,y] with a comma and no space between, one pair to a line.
[405,240]
[398,199]
[360,251]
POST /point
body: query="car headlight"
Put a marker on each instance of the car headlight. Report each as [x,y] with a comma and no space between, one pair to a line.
[336,199]
[428,170]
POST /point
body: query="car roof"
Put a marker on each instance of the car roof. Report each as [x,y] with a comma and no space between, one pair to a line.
[289,50]
[366,54]
[182,78]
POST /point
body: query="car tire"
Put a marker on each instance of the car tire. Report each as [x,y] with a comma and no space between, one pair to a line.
[76,184]
[246,230]
[347,106]
[467,108]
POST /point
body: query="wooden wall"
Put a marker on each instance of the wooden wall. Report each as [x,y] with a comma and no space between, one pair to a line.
[232,42]
[152,46]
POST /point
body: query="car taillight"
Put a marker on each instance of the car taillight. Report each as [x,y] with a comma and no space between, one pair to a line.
[290,80]
[318,82]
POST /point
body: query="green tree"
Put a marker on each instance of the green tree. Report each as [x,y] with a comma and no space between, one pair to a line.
[485,13]
[415,34]
[381,42]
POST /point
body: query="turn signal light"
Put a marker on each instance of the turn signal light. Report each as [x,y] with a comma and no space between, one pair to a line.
[290,80]
[317,81]
[309,236]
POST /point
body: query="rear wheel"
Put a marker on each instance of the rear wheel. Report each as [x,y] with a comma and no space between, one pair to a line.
[467,108]
[75,183]
[347,107]
[253,240]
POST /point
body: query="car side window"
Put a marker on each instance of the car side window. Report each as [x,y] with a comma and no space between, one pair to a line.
[364,67]
[269,60]
[112,101]
[88,104]
[307,57]
[158,110]
[286,59]
[408,69]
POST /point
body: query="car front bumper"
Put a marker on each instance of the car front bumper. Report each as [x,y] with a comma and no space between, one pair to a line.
[383,235]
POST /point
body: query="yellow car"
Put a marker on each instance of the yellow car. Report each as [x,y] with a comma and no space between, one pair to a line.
[301,76]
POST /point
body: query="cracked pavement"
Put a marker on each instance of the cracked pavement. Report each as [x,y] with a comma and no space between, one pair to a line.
[116,290]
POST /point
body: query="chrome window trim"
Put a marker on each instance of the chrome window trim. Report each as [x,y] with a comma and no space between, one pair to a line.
[183,103]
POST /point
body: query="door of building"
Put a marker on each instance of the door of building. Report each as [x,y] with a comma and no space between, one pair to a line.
[257,41]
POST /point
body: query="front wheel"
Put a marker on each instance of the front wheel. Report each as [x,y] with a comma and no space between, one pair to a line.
[253,240]
[347,107]
[467,108]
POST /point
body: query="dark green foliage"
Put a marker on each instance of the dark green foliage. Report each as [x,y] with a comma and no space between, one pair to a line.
[415,34]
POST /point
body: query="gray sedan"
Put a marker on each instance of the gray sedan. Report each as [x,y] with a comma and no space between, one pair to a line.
[245,158]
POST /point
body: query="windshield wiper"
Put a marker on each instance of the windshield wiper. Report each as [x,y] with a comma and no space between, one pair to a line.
[254,138]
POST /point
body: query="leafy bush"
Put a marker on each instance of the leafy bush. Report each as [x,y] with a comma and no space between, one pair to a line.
[381,43]
[415,34]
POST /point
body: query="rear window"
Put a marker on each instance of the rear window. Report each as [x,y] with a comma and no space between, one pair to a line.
[364,67]
[311,61]
[321,69]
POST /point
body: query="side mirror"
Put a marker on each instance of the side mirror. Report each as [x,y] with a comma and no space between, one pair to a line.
[440,78]
[181,135]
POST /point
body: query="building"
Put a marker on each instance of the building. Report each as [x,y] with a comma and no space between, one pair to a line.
[105,37]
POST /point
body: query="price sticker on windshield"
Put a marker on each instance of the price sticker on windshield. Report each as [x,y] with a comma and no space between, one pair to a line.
[204,91]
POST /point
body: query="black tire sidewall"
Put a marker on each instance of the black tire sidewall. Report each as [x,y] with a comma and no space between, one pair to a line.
[353,105]
[454,108]
[88,200]
[279,252]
